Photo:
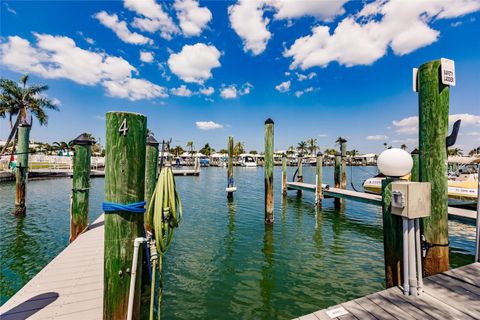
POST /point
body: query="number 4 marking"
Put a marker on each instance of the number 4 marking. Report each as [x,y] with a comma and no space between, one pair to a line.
[123,127]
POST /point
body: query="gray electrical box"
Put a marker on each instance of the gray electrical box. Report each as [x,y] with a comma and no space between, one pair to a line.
[411,199]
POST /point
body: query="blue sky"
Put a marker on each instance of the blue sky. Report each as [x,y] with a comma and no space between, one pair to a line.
[204,70]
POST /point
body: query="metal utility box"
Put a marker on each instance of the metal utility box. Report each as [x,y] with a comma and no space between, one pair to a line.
[411,199]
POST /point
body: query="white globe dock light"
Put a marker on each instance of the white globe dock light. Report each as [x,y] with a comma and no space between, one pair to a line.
[410,200]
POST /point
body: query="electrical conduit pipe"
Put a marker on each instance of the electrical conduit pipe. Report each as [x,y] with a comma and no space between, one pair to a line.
[133,276]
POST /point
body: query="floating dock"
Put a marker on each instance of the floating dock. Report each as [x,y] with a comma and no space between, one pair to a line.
[69,287]
[454,294]
[40,174]
[374,199]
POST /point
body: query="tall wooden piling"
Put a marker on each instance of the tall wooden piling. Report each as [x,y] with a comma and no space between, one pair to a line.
[82,146]
[230,167]
[415,173]
[392,237]
[284,174]
[268,171]
[300,172]
[343,168]
[319,177]
[336,178]
[433,102]
[124,184]
[151,168]
[21,174]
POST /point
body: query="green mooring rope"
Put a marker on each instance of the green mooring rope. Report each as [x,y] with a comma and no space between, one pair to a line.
[164,214]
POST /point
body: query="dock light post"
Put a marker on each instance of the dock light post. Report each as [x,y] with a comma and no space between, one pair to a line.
[82,146]
[407,201]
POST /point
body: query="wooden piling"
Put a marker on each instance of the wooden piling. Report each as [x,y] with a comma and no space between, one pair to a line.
[415,174]
[300,173]
[319,173]
[124,184]
[230,167]
[392,238]
[151,169]
[336,178]
[268,171]
[284,174]
[82,146]
[21,173]
[433,101]
[343,168]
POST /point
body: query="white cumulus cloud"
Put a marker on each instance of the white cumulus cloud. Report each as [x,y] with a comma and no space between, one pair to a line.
[284,86]
[377,137]
[146,56]
[134,89]
[208,125]
[207,91]
[60,57]
[120,28]
[362,39]
[152,17]
[193,18]
[182,91]
[409,125]
[232,92]
[194,63]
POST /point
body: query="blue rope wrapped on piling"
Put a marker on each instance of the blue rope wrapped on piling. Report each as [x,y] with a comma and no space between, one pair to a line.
[136,207]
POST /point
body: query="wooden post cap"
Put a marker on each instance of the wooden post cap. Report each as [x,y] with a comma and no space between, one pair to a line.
[82,140]
[269,121]
[151,141]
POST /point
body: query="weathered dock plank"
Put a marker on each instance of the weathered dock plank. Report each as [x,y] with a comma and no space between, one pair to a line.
[449,295]
[374,199]
[70,286]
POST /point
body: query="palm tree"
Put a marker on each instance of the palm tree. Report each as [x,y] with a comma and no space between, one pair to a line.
[331,152]
[253,152]
[238,149]
[302,147]
[474,151]
[20,100]
[207,150]
[290,150]
[177,151]
[190,147]
[455,152]
[312,146]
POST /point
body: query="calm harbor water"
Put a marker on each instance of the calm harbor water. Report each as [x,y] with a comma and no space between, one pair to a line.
[224,262]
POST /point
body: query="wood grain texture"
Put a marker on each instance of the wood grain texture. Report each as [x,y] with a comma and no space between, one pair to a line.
[80,190]
[124,184]
[433,102]
[21,170]
[268,171]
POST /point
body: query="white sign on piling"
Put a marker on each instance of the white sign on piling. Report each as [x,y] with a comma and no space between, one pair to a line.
[447,68]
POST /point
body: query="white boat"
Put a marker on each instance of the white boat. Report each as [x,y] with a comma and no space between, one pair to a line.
[247,160]
[462,185]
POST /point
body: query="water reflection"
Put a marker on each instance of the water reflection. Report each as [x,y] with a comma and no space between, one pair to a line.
[267,283]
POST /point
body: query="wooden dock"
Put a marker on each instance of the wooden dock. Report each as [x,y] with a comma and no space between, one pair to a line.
[374,199]
[41,174]
[69,287]
[454,294]
[185,172]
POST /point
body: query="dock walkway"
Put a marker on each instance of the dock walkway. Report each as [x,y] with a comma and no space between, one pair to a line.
[69,287]
[374,199]
[454,294]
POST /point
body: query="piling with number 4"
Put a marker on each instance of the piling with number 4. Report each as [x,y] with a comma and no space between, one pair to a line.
[82,146]
[21,173]
[318,186]
[268,171]
[433,102]
[124,185]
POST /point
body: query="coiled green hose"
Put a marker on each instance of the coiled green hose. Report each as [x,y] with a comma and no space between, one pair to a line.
[164,214]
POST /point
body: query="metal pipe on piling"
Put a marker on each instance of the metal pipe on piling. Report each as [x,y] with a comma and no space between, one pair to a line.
[406,287]
[412,268]
[268,171]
